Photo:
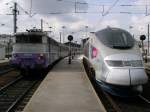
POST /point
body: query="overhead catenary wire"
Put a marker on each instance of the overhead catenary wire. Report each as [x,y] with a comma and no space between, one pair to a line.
[82,12]
[109,11]
[111,7]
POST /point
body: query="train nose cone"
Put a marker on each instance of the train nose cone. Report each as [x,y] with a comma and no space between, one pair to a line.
[118,77]
[127,77]
[138,76]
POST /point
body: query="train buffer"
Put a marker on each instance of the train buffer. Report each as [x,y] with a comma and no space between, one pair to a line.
[65,89]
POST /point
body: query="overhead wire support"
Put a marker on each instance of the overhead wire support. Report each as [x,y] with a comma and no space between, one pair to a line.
[75,6]
[31,8]
[26,12]
[103,10]
[146,11]
[126,5]
[41,24]
[15,17]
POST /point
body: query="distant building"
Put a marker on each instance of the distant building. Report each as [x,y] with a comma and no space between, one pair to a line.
[2,52]
[7,42]
[4,38]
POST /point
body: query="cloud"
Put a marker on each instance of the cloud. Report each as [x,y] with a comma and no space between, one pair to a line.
[111,23]
[43,8]
[46,6]
[62,9]
[140,24]
[74,22]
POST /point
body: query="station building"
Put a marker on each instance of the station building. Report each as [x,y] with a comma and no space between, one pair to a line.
[2,52]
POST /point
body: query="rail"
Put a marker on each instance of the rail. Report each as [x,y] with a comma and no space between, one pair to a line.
[112,103]
[5,69]
[14,92]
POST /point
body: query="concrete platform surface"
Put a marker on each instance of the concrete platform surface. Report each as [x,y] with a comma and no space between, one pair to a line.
[4,62]
[147,69]
[65,89]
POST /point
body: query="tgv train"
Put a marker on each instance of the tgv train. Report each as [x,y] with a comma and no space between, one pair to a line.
[114,58]
[35,50]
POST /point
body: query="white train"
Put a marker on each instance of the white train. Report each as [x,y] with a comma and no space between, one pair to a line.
[114,58]
[35,51]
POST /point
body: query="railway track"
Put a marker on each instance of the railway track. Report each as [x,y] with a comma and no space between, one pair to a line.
[25,100]
[140,103]
[14,92]
[5,69]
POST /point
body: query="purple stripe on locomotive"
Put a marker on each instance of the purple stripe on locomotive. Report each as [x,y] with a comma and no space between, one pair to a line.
[29,60]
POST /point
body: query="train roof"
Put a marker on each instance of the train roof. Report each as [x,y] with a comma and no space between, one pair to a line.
[30,33]
[110,30]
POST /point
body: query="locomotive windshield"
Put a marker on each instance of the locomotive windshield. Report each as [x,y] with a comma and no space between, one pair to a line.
[28,39]
[118,39]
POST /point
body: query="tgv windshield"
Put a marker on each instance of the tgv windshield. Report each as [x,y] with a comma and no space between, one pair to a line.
[28,39]
[116,38]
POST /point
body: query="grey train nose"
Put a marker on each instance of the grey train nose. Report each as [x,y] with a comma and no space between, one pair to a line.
[116,60]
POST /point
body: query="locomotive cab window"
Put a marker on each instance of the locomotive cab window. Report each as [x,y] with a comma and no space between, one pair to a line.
[28,39]
[116,39]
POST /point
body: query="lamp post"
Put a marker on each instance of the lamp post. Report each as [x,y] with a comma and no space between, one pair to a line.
[63,27]
[76,48]
[50,30]
[130,29]
[86,30]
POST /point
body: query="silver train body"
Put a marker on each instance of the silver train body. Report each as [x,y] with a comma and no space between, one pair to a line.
[115,59]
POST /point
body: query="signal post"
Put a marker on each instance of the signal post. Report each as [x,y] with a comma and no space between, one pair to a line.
[70,38]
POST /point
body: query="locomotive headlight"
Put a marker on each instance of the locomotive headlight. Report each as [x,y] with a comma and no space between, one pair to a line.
[114,63]
[41,56]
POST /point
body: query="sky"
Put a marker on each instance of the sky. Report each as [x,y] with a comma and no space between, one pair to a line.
[131,15]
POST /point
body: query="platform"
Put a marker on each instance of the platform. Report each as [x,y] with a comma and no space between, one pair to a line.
[4,62]
[65,89]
